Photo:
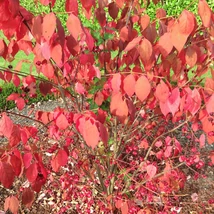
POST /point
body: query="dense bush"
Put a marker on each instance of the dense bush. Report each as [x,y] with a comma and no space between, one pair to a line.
[114,147]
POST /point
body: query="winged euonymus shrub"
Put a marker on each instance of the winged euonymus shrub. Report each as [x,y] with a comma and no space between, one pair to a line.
[115,146]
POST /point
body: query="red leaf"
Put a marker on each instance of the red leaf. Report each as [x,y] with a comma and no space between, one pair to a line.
[6,126]
[16,80]
[37,28]
[205,13]
[8,75]
[20,103]
[32,172]
[7,174]
[142,88]
[145,50]
[162,92]
[48,25]
[103,134]
[191,56]
[79,88]
[74,26]
[129,85]
[59,160]
[15,137]
[13,96]
[45,88]
[151,170]
[62,122]
[27,158]
[164,44]
[193,101]
[172,103]
[87,4]
[160,13]
[89,39]
[16,164]
[144,21]
[3,48]
[91,134]
[113,10]
[71,6]
[12,203]
[27,197]
[118,107]
[133,43]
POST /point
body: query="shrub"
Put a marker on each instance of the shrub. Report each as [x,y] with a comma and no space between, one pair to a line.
[114,147]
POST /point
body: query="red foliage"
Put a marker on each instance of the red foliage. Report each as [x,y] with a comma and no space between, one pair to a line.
[126,93]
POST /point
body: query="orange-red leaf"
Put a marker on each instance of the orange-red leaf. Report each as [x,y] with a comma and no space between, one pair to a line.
[74,26]
[164,44]
[145,50]
[144,21]
[191,56]
[186,22]
[56,54]
[116,83]
[209,86]
[124,34]
[210,104]
[118,107]
[91,134]
[205,13]
[133,43]
[11,203]
[59,160]
[177,38]
[48,25]
[182,29]
[6,126]
[48,70]
[142,88]
[62,122]
[129,85]
[162,92]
